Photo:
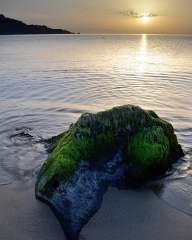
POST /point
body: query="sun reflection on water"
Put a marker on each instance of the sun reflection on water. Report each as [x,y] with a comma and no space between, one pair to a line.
[143,53]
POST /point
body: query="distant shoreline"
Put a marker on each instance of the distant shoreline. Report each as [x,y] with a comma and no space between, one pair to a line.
[9,26]
[40,34]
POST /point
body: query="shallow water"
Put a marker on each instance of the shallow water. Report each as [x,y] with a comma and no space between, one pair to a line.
[46,82]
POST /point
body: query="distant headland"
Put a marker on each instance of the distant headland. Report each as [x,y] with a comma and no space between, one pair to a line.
[9,26]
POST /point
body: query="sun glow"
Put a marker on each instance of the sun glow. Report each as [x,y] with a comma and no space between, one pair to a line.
[145,19]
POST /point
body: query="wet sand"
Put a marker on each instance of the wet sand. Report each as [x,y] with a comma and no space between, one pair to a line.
[22,217]
[131,215]
[125,215]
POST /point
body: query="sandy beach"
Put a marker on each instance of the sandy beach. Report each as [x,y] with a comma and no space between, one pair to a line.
[132,215]
[136,215]
[25,218]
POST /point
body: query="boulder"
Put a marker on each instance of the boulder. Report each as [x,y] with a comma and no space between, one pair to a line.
[122,146]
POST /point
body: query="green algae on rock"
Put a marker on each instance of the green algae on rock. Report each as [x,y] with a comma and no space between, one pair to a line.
[148,141]
[147,151]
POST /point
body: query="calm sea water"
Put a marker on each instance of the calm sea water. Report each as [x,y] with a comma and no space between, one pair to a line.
[46,82]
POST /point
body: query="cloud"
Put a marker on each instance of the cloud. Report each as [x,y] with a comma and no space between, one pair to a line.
[133,14]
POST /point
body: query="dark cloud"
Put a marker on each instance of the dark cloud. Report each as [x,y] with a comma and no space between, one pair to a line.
[133,14]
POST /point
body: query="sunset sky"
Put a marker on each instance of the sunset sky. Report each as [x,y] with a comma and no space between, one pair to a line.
[105,16]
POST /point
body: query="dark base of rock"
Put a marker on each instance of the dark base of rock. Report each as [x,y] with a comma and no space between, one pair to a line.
[74,202]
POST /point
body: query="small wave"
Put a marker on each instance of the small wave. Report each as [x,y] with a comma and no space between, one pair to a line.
[26,151]
[184,130]
[72,110]
[24,134]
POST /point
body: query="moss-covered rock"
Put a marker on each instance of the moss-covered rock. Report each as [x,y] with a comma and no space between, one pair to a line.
[146,144]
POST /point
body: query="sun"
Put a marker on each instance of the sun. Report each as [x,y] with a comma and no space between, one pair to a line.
[145,19]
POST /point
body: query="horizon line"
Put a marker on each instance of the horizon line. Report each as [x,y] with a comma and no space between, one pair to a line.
[96,33]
